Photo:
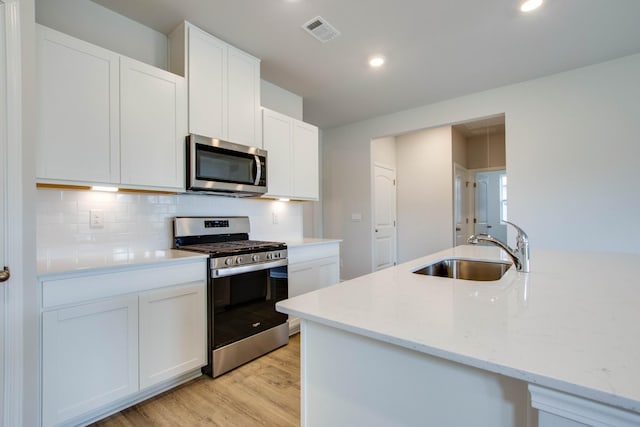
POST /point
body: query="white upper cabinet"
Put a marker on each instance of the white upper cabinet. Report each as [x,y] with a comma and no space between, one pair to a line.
[207,89]
[292,157]
[103,118]
[305,161]
[277,141]
[77,110]
[223,85]
[244,98]
[153,125]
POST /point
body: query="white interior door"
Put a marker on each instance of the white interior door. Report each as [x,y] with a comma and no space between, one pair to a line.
[384,215]
[462,202]
[488,205]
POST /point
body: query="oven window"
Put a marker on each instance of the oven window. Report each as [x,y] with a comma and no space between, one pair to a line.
[244,304]
[216,164]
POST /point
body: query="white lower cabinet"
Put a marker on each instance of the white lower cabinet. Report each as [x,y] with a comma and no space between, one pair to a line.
[313,275]
[311,267]
[112,339]
[90,357]
[172,332]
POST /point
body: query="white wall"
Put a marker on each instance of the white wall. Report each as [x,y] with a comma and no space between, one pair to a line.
[571,155]
[280,100]
[424,188]
[384,151]
[96,24]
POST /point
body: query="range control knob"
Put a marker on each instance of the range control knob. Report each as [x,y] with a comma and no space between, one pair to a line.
[239,260]
[269,256]
[255,258]
[228,261]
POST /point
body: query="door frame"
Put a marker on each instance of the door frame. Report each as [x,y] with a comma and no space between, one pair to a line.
[373,214]
[12,139]
[468,194]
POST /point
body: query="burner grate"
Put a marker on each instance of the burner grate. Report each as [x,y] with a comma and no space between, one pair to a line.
[232,247]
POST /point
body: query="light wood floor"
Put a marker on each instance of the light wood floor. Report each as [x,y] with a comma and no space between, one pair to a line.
[264,392]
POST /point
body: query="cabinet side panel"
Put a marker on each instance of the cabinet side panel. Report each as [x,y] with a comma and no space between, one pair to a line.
[380,384]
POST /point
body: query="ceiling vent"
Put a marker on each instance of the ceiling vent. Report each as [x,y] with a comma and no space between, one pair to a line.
[319,28]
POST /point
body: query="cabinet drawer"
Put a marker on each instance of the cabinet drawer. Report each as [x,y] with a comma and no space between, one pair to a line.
[88,287]
[306,253]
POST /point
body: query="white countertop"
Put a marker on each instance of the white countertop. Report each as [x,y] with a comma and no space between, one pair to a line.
[305,241]
[95,263]
[572,324]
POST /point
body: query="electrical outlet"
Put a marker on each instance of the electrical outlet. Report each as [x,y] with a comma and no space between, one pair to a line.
[96,218]
[274,218]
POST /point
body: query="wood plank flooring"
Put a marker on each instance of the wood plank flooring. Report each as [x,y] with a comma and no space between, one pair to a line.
[264,392]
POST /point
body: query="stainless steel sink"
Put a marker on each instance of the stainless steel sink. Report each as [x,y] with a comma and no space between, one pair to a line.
[466,269]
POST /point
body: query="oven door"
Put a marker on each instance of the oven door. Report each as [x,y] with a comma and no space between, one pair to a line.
[223,167]
[243,299]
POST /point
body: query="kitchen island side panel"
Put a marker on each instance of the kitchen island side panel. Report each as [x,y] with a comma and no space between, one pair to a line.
[349,379]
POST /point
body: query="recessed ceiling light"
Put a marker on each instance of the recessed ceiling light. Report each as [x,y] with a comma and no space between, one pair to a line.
[529,5]
[376,61]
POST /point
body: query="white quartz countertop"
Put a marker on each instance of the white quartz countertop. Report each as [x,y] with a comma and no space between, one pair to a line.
[306,241]
[96,263]
[572,324]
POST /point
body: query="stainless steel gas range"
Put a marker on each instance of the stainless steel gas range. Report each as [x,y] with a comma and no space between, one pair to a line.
[246,279]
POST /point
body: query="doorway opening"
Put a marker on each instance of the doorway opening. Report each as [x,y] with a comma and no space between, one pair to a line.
[437,170]
[479,179]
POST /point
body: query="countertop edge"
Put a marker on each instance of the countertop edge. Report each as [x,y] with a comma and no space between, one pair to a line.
[486,365]
[309,241]
[62,267]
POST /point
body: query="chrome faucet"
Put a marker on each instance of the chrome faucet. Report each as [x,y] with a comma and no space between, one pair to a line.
[520,254]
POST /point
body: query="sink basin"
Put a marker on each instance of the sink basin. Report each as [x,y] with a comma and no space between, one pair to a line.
[466,269]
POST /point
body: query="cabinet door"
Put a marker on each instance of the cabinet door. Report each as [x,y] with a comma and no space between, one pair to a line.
[89,357]
[277,141]
[305,161]
[244,98]
[153,115]
[207,76]
[172,332]
[313,275]
[77,110]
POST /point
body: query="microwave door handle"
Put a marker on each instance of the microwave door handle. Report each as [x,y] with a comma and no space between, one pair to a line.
[258,170]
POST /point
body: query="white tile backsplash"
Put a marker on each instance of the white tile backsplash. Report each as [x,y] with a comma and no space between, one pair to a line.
[144,221]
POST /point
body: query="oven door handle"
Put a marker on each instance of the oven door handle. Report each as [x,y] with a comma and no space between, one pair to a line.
[230,271]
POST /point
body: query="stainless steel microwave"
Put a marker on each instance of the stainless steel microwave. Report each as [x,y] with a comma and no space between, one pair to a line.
[225,168]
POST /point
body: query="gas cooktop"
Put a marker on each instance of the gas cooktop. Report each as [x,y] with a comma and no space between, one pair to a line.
[235,247]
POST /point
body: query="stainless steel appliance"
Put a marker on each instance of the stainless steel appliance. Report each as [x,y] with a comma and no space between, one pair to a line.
[224,168]
[246,279]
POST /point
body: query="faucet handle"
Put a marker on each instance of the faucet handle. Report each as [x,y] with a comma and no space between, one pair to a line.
[521,233]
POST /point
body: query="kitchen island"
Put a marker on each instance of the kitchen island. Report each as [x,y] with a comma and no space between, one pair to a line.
[555,347]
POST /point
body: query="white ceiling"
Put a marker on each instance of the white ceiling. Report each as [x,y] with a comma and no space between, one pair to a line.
[435,49]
